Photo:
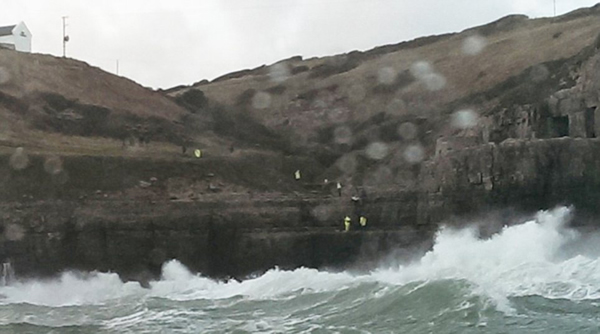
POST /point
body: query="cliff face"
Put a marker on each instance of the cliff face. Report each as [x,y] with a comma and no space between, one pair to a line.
[518,174]
[209,238]
[227,235]
[101,175]
[125,215]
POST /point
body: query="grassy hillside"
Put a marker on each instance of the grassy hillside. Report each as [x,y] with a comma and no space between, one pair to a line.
[363,117]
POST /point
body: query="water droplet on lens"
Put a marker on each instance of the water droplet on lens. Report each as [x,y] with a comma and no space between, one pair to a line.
[377,150]
[473,45]
[61,177]
[4,75]
[464,119]
[337,115]
[434,81]
[347,164]
[14,232]
[319,104]
[53,165]
[261,100]
[539,73]
[19,160]
[420,69]
[322,212]
[342,135]
[414,154]
[408,131]
[396,107]
[356,93]
[386,76]
[279,73]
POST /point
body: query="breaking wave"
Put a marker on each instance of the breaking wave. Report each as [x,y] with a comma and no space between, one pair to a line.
[462,272]
[524,259]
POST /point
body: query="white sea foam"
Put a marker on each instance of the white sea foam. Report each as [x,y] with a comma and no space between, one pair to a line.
[70,289]
[522,260]
[180,284]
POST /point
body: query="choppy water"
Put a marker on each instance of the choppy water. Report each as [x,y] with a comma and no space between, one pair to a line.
[537,277]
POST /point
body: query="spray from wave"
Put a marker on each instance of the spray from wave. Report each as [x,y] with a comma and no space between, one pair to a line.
[521,260]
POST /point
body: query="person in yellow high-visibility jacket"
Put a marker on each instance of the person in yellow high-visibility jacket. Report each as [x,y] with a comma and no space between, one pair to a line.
[297,175]
[347,221]
[362,221]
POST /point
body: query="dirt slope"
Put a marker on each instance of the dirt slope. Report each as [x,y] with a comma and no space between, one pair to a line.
[27,74]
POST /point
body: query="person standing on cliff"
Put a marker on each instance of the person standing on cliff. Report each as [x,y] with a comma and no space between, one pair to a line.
[363,222]
[347,222]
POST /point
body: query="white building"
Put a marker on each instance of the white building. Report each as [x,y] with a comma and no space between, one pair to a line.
[16,37]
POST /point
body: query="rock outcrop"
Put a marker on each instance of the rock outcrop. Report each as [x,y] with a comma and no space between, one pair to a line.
[102,175]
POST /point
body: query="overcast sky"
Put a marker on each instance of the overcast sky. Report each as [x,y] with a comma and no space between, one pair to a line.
[164,43]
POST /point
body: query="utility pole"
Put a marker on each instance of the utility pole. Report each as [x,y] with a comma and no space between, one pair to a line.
[117,67]
[65,36]
[554,8]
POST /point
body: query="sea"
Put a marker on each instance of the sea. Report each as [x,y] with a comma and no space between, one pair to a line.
[538,276]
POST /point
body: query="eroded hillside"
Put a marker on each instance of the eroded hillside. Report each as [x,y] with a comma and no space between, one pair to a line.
[371,117]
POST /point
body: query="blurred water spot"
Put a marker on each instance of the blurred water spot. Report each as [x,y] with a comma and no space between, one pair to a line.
[414,154]
[420,69]
[377,150]
[4,75]
[405,178]
[423,71]
[464,119]
[53,165]
[473,45]
[319,104]
[386,76]
[338,115]
[381,175]
[356,93]
[539,73]
[322,212]
[19,160]
[261,100]
[408,131]
[61,177]
[396,107]
[434,81]
[342,135]
[14,232]
[279,73]
[347,164]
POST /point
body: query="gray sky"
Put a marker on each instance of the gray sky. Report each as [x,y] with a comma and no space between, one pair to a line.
[164,43]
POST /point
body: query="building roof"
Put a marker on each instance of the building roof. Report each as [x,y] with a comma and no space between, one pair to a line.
[7,30]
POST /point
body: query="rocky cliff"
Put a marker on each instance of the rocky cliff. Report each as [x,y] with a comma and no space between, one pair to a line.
[98,173]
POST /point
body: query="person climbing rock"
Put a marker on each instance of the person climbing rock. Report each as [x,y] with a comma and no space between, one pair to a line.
[339,189]
[347,222]
[297,175]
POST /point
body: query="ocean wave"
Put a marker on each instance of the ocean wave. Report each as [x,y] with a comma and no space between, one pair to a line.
[522,260]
